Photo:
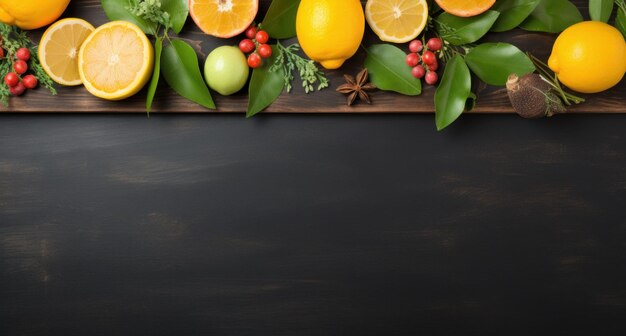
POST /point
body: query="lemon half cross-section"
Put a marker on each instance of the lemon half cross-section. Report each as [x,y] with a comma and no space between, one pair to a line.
[397,21]
[116,60]
[58,49]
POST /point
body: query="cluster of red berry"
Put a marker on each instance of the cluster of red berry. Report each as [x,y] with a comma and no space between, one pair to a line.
[255,43]
[14,80]
[424,65]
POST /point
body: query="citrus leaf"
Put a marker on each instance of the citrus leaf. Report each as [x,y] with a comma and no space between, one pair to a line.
[178,11]
[280,19]
[118,10]
[460,30]
[552,16]
[620,21]
[600,10]
[494,62]
[453,92]
[156,73]
[179,66]
[265,86]
[388,71]
[512,13]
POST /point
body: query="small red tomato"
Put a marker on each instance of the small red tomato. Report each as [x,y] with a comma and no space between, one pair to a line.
[254,60]
[262,37]
[30,81]
[23,54]
[18,90]
[412,59]
[416,46]
[20,67]
[11,79]
[434,44]
[265,51]
[434,66]
[246,46]
[429,57]
[251,31]
[431,78]
[418,72]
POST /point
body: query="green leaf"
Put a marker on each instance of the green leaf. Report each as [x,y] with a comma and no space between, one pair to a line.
[494,62]
[265,86]
[156,73]
[179,66]
[620,21]
[460,30]
[117,10]
[178,11]
[600,10]
[388,71]
[512,13]
[552,16]
[280,19]
[453,92]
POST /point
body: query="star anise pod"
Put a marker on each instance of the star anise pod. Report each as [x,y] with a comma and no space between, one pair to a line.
[357,87]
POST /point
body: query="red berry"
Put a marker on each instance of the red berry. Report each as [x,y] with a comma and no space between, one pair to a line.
[434,44]
[262,37]
[20,67]
[1,53]
[254,60]
[11,79]
[429,57]
[265,51]
[434,66]
[416,46]
[432,78]
[418,72]
[412,59]
[23,54]
[251,31]
[246,46]
[30,81]
[18,90]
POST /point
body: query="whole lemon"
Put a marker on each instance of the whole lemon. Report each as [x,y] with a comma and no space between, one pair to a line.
[31,14]
[330,31]
[589,57]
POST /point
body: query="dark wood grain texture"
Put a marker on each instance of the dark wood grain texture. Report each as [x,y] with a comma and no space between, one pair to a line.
[312,225]
[491,99]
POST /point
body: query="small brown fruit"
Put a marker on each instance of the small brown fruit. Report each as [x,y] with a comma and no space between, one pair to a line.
[532,97]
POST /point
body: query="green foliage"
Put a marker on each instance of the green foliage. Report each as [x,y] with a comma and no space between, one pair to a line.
[388,71]
[280,19]
[120,10]
[265,86]
[552,16]
[290,61]
[458,30]
[512,13]
[156,73]
[600,10]
[453,92]
[494,62]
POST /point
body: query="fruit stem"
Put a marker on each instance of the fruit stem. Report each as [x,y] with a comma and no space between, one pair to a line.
[553,80]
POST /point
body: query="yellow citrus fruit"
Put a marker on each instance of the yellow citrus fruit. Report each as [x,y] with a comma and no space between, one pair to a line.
[223,18]
[330,31]
[115,61]
[465,8]
[31,14]
[397,21]
[589,57]
[58,49]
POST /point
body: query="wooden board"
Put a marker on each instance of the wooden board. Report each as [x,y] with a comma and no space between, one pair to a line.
[491,99]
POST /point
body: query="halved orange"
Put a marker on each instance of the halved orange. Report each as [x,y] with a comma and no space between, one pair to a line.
[397,21]
[58,49]
[223,18]
[465,8]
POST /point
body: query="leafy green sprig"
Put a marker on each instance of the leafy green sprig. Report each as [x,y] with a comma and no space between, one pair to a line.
[13,38]
[289,60]
[152,11]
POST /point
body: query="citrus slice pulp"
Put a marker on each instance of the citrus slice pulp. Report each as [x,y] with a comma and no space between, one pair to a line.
[116,60]
[465,8]
[223,18]
[397,21]
[58,49]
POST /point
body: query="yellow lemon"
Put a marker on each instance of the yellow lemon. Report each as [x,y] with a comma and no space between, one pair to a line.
[589,57]
[115,61]
[330,31]
[397,21]
[31,14]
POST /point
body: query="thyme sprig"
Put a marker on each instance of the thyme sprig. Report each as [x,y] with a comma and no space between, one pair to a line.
[289,60]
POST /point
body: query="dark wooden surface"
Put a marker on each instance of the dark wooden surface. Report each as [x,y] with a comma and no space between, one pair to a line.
[491,99]
[312,225]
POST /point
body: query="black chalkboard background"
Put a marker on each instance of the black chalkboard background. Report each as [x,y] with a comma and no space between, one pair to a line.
[312,225]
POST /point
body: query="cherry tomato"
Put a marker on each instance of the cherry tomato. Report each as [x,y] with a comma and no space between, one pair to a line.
[246,46]
[262,37]
[434,44]
[434,66]
[416,46]
[432,78]
[23,54]
[418,72]
[412,59]
[254,60]
[251,31]
[20,67]
[30,81]
[18,90]
[429,57]
[11,79]
[265,51]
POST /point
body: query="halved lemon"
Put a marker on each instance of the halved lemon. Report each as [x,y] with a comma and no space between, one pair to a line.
[58,49]
[223,18]
[116,60]
[465,8]
[397,21]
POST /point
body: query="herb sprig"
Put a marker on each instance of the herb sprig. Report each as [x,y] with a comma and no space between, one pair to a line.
[289,60]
